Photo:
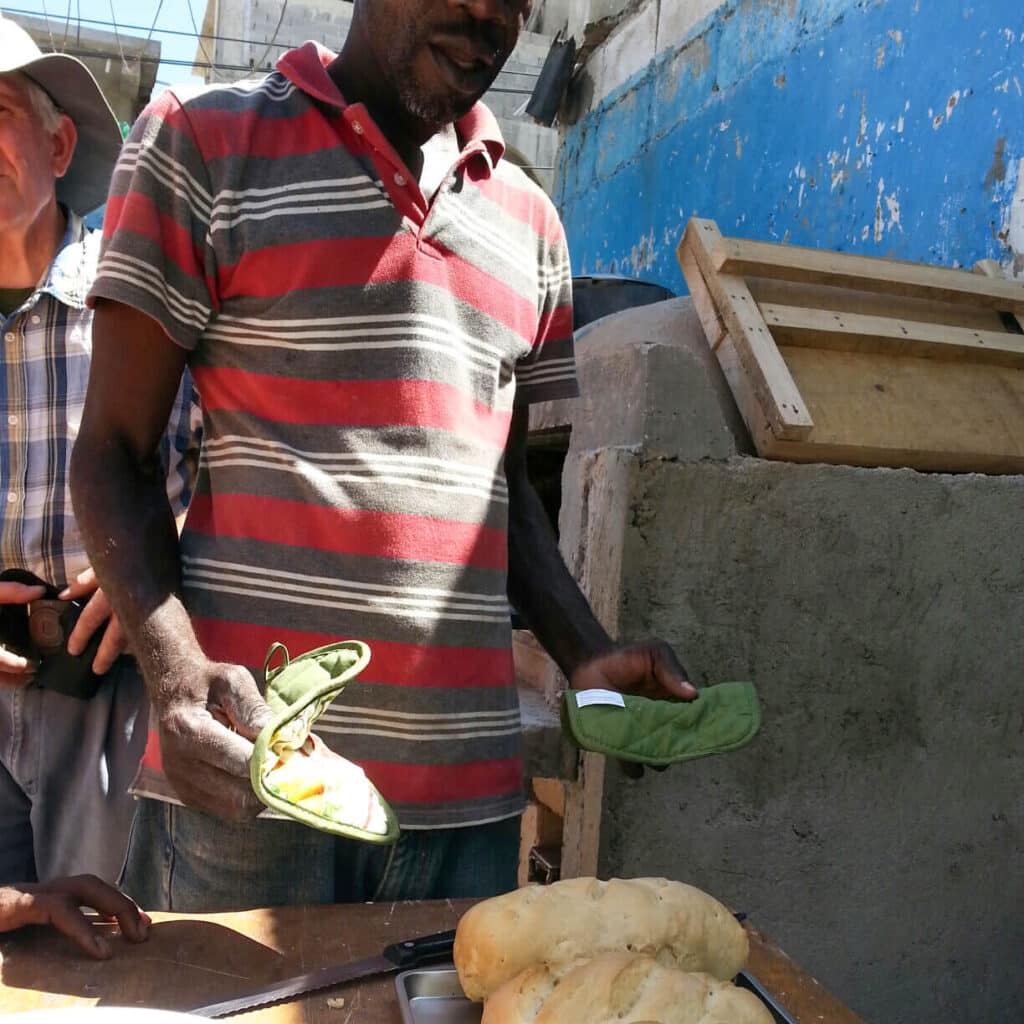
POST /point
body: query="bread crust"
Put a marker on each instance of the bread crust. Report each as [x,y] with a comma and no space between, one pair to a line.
[621,988]
[577,919]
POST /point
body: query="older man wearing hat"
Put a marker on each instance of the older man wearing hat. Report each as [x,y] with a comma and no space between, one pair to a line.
[72,715]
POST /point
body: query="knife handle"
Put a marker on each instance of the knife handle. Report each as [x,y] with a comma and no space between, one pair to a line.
[424,950]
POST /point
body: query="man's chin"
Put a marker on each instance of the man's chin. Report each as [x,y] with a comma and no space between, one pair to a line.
[437,111]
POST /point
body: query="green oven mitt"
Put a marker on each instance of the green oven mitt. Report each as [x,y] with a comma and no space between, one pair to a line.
[293,772]
[661,732]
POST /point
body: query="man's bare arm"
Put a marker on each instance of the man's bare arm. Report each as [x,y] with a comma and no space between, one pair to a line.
[118,489]
[549,599]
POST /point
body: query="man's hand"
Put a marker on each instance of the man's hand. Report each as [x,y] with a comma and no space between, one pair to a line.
[206,731]
[16,670]
[94,615]
[647,669]
[57,903]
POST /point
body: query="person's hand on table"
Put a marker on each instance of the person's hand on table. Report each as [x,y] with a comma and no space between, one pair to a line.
[58,902]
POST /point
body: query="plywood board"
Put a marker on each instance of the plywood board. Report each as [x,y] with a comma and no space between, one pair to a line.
[768,375]
[855,332]
[768,290]
[932,379]
[736,256]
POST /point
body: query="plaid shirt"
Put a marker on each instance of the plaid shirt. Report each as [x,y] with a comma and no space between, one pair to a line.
[44,371]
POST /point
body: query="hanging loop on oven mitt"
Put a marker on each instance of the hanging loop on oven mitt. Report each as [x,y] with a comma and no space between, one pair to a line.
[292,771]
[661,732]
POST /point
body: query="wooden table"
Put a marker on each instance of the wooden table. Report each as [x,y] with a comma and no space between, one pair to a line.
[191,960]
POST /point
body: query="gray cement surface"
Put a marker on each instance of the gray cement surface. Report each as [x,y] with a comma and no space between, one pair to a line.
[875,828]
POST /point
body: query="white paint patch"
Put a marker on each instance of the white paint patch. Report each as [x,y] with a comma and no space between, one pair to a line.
[625,53]
[892,205]
[676,21]
[1015,218]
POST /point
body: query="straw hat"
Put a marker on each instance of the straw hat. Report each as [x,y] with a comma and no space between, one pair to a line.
[71,86]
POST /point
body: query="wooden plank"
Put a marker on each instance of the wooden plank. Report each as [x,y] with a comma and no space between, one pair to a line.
[710,319]
[894,277]
[190,960]
[533,665]
[990,268]
[827,328]
[551,793]
[850,300]
[193,958]
[540,826]
[800,994]
[581,834]
[874,410]
[774,385]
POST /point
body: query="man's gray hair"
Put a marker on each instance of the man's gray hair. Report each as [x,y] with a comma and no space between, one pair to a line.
[46,110]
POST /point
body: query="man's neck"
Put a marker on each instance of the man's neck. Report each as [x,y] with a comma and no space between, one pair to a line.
[26,252]
[357,80]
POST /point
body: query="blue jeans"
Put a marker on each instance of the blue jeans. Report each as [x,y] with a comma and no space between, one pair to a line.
[65,768]
[183,860]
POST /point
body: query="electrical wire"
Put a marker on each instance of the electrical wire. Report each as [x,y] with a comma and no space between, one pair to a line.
[67,25]
[144,59]
[273,38]
[53,45]
[149,35]
[194,34]
[117,37]
[199,37]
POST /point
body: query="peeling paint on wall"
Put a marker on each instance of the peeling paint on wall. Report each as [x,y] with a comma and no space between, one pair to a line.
[778,119]
[1011,189]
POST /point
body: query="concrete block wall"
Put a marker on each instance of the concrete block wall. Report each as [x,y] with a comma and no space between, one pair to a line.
[875,827]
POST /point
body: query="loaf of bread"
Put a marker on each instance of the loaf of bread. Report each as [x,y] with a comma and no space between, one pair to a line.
[560,924]
[621,988]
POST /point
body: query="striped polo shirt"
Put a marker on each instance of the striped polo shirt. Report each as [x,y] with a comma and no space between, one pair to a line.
[358,352]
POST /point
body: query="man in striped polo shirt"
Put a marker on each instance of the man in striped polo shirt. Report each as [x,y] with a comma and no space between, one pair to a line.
[368,296]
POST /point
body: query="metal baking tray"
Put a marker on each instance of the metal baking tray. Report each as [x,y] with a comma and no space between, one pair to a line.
[432,995]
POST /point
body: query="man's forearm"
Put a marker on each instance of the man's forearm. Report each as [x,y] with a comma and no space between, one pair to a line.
[132,540]
[543,590]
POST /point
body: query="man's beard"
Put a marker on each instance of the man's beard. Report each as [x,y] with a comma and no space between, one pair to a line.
[434,110]
[431,110]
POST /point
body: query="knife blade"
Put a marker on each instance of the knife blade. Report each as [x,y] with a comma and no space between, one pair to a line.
[399,956]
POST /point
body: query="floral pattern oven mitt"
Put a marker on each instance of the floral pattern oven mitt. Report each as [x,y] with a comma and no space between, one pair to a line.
[293,771]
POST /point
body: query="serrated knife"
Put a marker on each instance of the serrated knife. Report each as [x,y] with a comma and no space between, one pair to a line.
[399,956]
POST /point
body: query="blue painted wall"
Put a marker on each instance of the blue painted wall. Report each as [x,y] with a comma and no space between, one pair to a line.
[893,127]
